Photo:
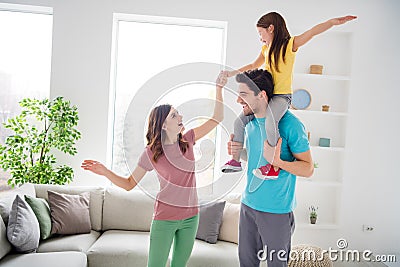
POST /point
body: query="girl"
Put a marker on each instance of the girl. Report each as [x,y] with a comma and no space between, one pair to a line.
[171,154]
[278,54]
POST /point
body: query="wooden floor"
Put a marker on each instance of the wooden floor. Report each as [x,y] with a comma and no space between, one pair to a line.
[358,264]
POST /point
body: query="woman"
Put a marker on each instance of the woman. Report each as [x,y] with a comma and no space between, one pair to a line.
[170,153]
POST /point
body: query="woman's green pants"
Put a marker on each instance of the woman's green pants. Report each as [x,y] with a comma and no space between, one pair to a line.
[162,233]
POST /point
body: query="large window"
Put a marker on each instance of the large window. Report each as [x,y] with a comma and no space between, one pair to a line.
[143,48]
[25,60]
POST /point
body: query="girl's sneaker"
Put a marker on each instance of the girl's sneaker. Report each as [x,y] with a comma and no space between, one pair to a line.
[231,166]
[267,172]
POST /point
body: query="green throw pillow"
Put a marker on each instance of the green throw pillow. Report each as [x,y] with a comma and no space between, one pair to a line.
[42,212]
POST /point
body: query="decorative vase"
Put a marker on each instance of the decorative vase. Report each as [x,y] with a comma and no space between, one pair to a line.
[313,220]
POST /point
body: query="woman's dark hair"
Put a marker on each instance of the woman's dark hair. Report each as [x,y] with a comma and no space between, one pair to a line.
[155,134]
[281,36]
[257,80]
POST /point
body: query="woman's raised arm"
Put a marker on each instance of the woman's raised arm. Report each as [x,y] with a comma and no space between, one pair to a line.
[218,115]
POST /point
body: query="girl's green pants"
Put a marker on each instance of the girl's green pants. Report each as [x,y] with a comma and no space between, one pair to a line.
[162,233]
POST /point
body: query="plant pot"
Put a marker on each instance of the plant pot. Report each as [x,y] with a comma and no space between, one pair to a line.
[313,220]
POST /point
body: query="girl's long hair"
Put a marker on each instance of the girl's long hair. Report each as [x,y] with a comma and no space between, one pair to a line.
[156,135]
[281,36]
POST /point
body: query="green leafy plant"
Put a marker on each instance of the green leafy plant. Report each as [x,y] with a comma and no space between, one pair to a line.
[42,126]
[313,211]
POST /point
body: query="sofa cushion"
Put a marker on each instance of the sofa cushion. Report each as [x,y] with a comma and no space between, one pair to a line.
[5,246]
[120,248]
[42,213]
[221,254]
[229,230]
[210,221]
[7,198]
[234,198]
[81,242]
[124,210]
[59,259]
[23,228]
[69,213]
[96,199]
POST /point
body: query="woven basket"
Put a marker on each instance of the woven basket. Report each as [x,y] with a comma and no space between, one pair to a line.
[316,69]
[298,260]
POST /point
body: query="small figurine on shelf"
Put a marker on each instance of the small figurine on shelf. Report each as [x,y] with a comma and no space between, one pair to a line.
[313,214]
[325,108]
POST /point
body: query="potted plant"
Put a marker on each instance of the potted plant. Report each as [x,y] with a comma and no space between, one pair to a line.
[313,214]
[42,127]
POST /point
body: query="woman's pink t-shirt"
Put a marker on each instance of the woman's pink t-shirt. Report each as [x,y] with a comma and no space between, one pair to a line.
[177,198]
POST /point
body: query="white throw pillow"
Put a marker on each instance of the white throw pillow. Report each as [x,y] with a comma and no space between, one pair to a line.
[124,210]
[229,230]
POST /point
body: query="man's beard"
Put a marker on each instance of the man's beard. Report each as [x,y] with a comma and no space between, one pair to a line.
[248,112]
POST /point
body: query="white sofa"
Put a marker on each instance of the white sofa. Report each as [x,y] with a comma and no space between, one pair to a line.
[120,223]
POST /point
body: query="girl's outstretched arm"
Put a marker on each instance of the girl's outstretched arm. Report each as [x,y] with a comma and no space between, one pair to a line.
[125,183]
[218,115]
[252,66]
[320,28]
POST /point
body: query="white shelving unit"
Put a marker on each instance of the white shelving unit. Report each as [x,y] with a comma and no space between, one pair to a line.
[309,226]
[319,113]
[322,76]
[324,188]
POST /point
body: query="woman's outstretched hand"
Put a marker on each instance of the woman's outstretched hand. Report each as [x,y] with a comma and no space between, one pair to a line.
[94,166]
[222,79]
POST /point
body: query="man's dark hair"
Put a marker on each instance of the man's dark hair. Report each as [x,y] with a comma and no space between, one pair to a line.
[257,80]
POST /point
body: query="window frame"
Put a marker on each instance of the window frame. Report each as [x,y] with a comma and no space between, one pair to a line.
[44,10]
[19,8]
[118,17]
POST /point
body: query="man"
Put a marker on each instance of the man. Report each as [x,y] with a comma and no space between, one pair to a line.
[266,216]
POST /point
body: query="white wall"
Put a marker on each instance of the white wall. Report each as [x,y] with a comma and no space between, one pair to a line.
[81,70]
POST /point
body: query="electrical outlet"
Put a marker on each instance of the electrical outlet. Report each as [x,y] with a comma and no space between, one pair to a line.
[367,228]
